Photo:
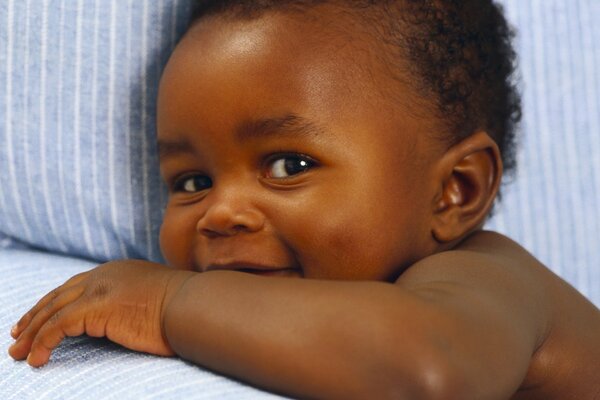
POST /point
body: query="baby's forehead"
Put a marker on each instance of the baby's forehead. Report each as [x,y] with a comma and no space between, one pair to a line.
[287,73]
[350,36]
[364,49]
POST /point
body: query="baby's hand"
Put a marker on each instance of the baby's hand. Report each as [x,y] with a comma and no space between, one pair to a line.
[122,300]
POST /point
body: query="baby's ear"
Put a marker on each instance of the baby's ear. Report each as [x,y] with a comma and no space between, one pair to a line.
[469,175]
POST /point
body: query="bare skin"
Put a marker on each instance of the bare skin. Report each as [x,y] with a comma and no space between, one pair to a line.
[285,161]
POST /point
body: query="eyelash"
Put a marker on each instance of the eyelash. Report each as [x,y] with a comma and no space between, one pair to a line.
[306,162]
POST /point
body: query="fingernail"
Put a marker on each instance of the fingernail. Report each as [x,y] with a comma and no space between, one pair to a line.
[13,330]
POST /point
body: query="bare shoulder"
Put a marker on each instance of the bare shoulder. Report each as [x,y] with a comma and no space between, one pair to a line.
[493,269]
[483,256]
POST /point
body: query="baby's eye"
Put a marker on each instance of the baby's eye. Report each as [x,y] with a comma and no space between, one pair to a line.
[288,166]
[192,183]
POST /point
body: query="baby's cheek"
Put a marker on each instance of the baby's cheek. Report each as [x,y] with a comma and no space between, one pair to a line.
[176,238]
[332,248]
[355,245]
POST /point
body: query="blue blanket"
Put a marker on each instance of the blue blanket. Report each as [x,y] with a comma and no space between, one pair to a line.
[88,367]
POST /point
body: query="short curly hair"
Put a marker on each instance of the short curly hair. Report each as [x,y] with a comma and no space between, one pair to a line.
[459,54]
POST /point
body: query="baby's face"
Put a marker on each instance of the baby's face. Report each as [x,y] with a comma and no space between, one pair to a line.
[283,159]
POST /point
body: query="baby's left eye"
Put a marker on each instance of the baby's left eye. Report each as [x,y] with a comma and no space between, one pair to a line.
[288,166]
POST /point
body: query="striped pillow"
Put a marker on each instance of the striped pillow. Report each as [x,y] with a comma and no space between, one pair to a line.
[553,207]
[78,84]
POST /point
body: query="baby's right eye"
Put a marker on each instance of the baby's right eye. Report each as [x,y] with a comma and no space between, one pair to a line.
[192,184]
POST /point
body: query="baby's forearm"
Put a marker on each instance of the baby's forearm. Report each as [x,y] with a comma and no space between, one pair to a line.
[308,338]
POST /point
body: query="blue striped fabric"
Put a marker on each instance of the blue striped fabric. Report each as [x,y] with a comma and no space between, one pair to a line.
[78,82]
[553,206]
[86,368]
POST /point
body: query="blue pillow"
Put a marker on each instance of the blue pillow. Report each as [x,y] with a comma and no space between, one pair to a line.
[77,134]
[553,206]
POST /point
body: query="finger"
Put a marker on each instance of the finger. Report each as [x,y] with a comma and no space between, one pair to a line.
[43,302]
[66,322]
[21,347]
[26,318]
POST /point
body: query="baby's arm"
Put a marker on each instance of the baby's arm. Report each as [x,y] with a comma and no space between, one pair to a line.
[461,324]
[120,300]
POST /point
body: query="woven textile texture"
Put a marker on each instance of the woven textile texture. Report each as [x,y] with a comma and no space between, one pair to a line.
[78,84]
[91,368]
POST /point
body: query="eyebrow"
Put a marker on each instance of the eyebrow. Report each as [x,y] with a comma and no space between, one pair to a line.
[170,148]
[290,125]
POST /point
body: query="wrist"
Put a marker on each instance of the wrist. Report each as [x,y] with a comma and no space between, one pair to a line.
[174,288]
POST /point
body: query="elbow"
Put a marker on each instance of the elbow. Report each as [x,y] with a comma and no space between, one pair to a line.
[418,367]
[441,381]
[429,377]
[435,381]
[426,371]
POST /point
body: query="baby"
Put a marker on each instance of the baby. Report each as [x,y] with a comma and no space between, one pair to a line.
[358,145]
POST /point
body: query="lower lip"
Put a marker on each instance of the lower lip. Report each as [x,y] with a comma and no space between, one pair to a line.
[289,273]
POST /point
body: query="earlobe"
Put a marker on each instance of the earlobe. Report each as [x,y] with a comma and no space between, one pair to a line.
[469,177]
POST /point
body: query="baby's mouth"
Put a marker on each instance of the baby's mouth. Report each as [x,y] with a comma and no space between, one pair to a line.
[266,257]
[283,272]
[256,269]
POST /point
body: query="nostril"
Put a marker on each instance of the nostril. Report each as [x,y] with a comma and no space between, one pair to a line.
[210,233]
[225,220]
[235,229]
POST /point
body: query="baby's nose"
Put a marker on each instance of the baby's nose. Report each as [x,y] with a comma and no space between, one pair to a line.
[229,215]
